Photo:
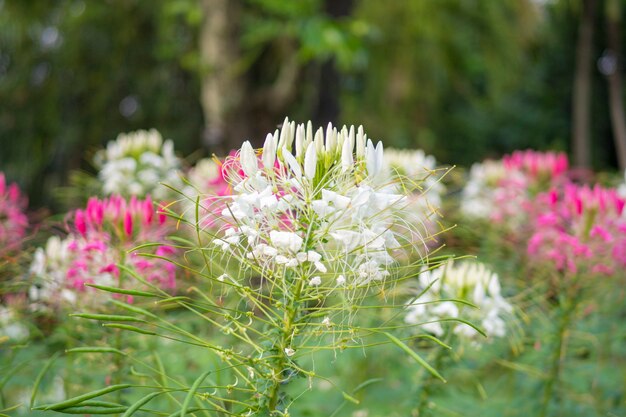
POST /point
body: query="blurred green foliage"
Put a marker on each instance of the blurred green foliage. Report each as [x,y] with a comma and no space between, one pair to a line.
[74,74]
[462,79]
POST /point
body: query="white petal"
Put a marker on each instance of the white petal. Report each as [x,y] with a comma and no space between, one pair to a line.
[248,160]
[293,163]
[310,162]
[269,152]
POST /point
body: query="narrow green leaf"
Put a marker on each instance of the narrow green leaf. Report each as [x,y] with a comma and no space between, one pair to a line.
[95,350]
[40,377]
[367,383]
[192,392]
[77,400]
[122,290]
[473,326]
[93,410]
[434,339]
[107,317]
[414,355]
[131,410]
[12,408]
[129,328]
[98,403]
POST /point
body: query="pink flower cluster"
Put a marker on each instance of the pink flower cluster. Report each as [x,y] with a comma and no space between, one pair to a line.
[13,220]
[102,235]
[579,229]
[537,164]
[124,224]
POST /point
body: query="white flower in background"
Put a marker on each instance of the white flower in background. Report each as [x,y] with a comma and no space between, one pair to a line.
[468,281]
[418,168]
[478,194]
[138,163]
[10,326]
[201,175]
[315,204]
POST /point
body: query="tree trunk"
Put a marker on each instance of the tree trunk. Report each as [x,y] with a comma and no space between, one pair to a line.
[222,88]
[328,108]
[581,101]
[614,78]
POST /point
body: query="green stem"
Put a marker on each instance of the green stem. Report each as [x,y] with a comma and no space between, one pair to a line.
[557,356]
[284,340]
[118,361]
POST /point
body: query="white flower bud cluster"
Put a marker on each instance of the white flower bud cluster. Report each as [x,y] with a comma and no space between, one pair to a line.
[467,281]
[137,163]
[314,203]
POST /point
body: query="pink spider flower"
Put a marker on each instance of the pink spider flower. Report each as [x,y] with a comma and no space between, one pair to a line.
[579,228]
[535,163]
[13,220]
[102,235]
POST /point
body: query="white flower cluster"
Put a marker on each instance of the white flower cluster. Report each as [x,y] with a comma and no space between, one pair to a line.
[418,168]
[468,281]
[137,163]
[314,203]
[484,190]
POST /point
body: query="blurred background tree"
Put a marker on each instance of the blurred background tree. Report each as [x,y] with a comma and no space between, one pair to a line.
[462,79]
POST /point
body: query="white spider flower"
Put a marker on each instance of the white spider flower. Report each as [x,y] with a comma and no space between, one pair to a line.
[137,163]
[317,209]
[468,281]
